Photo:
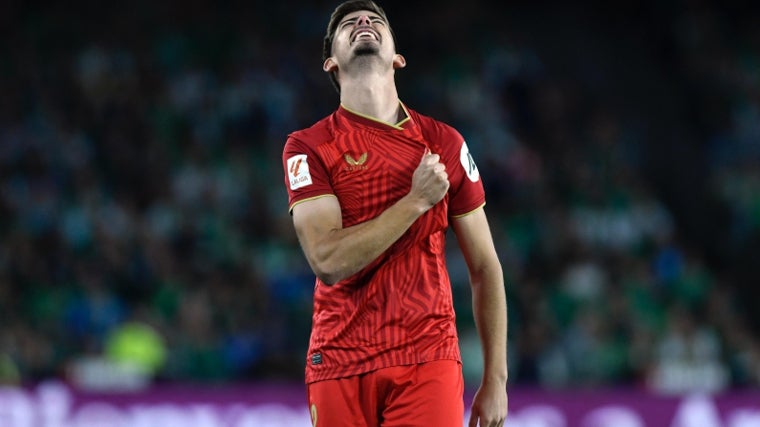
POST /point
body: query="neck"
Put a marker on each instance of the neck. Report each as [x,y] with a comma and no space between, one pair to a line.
[374,96]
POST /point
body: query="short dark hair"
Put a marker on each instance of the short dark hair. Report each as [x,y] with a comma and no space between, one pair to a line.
[338,14]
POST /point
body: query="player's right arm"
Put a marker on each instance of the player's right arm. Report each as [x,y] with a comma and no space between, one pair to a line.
[336,253]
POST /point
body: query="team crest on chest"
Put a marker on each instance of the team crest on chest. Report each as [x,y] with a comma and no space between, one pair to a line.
[357,163]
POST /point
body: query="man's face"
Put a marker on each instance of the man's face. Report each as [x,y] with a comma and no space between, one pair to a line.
[362,34]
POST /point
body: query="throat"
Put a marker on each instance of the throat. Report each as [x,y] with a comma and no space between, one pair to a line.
[373,96]
[401,114]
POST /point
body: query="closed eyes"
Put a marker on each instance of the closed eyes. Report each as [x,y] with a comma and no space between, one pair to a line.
[352,21]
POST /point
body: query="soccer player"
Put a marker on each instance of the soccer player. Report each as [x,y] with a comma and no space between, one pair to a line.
[372,190]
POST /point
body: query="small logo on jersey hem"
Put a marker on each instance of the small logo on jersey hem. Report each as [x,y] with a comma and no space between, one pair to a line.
[316,359]
[355,164]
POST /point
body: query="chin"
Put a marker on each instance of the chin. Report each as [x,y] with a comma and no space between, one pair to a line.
[367,49]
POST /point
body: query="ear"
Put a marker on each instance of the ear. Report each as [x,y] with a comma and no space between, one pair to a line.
[398,61]
[329,66]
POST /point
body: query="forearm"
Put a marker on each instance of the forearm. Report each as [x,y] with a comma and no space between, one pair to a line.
[345,251]
[490,308]
[336,253]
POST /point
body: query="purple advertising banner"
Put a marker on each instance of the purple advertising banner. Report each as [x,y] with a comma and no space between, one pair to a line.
[276,405]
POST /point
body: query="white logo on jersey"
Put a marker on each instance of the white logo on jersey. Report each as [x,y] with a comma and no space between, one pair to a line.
[468,163]
[298,172]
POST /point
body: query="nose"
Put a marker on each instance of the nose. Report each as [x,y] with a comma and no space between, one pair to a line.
[363,20]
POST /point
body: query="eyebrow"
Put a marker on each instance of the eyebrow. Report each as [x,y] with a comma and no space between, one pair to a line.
[371,17]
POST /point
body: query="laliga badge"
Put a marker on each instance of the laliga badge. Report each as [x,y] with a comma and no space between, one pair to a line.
[298,172]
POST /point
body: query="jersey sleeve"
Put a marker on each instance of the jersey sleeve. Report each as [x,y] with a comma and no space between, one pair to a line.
[306,176]
[466,191]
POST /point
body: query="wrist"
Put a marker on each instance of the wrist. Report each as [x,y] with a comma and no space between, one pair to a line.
[495,378]
[415,205]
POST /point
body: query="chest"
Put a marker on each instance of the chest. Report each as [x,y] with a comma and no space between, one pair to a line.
[369,171]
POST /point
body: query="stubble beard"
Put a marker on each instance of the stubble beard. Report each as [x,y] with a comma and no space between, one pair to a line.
[366,50]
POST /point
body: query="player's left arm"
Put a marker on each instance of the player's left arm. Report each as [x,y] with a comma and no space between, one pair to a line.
[489,406]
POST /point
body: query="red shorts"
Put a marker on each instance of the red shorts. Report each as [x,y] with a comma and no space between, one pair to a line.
[424,395]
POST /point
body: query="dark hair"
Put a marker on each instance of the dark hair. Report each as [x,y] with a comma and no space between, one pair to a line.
[338,14]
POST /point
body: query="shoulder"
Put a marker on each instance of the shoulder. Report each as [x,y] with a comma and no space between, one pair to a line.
[318,133]
[431,127]
[438,133]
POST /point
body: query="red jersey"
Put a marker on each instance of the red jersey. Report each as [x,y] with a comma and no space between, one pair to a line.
[398,310]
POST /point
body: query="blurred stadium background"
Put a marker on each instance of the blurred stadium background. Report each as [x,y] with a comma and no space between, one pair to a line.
[145,239]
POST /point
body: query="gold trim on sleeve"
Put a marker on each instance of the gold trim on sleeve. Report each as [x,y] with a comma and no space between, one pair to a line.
[290,209]
[468,213]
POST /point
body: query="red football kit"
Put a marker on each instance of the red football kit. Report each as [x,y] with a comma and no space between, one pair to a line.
[398,310]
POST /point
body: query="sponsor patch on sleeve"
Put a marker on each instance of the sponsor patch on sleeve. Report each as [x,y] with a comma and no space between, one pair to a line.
[298,172]
[468,163]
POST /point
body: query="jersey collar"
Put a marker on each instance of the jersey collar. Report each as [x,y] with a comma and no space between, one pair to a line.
[366,120]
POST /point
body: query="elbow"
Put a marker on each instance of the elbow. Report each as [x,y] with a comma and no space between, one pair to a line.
[327,279]
[322,267]
[489,273]
[327,274]
[330,267]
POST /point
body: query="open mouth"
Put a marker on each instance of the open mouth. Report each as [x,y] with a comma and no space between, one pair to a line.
[365,34]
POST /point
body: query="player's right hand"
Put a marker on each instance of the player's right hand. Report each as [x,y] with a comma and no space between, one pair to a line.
[430,181]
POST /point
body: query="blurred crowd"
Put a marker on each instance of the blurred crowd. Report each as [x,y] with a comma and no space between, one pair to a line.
[144,213]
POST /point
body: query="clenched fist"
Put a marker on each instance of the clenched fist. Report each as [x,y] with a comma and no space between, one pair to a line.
[430,181]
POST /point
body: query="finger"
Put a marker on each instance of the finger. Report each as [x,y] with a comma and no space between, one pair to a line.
[425,154]
[473,421]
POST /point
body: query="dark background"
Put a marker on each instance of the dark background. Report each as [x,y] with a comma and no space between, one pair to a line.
[141,181]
